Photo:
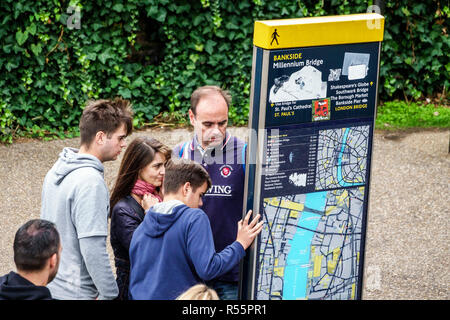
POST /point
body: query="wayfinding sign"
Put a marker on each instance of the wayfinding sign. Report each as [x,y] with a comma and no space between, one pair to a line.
[312,112]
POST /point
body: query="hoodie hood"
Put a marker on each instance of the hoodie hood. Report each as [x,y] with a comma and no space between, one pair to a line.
[70,160]
[14,287]
[162,216]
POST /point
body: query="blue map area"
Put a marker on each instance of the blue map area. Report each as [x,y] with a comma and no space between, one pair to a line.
[297,263]
[309,247]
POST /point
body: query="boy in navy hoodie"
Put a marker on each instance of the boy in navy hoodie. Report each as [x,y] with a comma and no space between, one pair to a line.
[224,157]
[173,248]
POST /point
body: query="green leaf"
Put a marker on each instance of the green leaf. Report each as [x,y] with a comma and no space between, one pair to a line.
[139,82]
[161,16]
[32,29]
[199,47]
[11,65]
[7,48]
[210,46]
[406,11]
[197,20]
[36,49]
[125,93]
[104,56]
[21,37]
[152,11]
[231,26]
[118,7]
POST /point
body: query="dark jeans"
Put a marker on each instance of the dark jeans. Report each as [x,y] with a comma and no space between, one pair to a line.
[123,281]
[226,290]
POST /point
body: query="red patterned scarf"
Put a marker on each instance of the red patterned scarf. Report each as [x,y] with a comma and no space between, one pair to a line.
[141,188]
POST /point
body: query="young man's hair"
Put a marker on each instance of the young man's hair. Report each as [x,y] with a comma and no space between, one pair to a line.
[34,243]
[180,171]
[205,91]
[105,115]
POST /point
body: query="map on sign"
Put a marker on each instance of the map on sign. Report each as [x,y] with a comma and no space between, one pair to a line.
[309,247]
[342,157]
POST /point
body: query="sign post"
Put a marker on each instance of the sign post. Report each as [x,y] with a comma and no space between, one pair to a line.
[312,112]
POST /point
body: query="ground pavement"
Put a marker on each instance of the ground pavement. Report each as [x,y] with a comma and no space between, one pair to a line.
[407,248]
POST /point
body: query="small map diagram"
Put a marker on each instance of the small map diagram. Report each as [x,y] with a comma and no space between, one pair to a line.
[310,245]
[342,157]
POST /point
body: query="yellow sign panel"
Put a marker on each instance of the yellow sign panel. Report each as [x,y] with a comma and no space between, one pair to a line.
[318,31]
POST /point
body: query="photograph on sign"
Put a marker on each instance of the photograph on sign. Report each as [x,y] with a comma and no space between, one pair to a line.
[304,84]
[355,65]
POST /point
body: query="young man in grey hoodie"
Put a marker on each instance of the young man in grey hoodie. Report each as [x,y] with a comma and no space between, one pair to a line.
[76,198]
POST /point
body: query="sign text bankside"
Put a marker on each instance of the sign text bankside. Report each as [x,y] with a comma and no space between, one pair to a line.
[312,113]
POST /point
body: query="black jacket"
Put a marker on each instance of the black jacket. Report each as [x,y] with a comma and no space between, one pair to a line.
[126,216]
[15,287]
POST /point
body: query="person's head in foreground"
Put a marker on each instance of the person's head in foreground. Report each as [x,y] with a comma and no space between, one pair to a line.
[37,251]
[199,292]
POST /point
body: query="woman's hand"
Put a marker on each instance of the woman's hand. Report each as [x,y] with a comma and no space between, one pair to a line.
[148,201]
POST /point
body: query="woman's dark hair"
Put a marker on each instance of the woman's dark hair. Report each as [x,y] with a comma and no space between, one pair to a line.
[34,243]
[139,153]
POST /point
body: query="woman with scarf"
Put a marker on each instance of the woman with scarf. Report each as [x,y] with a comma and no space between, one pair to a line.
[138,187]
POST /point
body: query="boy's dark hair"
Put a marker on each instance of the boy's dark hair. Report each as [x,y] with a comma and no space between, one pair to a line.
[180,171]
[205,91]
[105,115]
[34,243]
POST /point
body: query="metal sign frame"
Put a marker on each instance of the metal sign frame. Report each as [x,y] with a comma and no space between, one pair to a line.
[304,49]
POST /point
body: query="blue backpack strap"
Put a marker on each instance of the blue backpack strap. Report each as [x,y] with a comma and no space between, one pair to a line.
[180,154]
[243,156]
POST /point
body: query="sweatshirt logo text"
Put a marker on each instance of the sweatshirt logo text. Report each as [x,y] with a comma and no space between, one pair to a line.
[218,190]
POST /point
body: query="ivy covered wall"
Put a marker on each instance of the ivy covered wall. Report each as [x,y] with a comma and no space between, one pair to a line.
[55,55]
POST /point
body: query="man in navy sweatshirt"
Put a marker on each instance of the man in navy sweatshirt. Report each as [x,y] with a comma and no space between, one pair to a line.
[173,248]
[223,156]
